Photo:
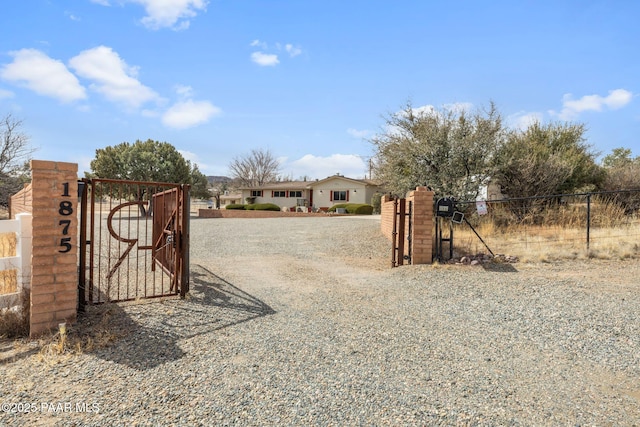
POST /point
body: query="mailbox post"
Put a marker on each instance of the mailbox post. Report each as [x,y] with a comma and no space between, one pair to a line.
[445,208]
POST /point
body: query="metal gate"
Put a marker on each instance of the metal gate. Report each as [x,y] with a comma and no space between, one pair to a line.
[401,228]
[136,240]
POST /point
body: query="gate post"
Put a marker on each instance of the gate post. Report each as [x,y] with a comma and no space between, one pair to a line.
[422,225]
[54,277]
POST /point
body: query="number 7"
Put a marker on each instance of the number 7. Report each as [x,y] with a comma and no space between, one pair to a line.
[66,223]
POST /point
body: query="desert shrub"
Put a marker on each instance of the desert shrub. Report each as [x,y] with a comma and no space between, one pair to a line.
[235,206]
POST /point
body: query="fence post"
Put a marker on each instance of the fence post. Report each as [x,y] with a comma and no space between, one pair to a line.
[588,218]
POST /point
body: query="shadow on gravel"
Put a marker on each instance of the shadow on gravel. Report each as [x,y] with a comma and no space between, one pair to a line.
[145,335]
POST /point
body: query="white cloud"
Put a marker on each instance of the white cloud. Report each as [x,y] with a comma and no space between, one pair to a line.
[184,91]
[292,50]
[258,43]
[458,107]
[317,167]
[265,59]
[6,94]
[38,72]
[173,14]
[522,120]
[101,2]
[72,16]
[112,77]
[571,108]
[189,113]
[358,133]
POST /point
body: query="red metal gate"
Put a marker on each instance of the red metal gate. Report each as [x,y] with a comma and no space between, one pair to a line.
[401,228]
[136,238]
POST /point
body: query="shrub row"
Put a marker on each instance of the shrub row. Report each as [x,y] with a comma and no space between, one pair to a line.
[255,207]
[353,208]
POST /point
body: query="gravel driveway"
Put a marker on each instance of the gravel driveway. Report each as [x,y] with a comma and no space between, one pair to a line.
[301,321]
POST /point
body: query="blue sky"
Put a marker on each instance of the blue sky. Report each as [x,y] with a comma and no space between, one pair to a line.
[309,80]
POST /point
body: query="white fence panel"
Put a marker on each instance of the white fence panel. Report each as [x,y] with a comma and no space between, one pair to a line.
[21,226]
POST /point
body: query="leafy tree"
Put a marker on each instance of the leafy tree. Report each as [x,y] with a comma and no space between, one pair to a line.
[622,173]
[547,159]
[619,157]
[15,153]
[449,150]
[199,183]
[141,161]
[146,161]
[255,169]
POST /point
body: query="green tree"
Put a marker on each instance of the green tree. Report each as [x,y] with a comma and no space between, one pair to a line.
[199,183]
[622,173]
[619,157]
[141,161]
[449,150]
[547,159]
[149,161]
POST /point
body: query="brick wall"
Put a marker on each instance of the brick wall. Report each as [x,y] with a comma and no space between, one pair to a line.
[21,202]
[422,224]
[54,277]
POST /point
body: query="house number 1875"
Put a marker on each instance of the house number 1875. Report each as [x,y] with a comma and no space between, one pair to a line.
[65,209]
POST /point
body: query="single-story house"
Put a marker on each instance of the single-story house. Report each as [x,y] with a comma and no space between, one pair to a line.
[318,194]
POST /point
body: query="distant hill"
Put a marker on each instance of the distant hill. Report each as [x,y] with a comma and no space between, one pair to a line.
[213,179]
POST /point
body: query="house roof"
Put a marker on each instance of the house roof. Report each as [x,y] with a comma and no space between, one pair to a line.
[304,185]
[284,185]
[359,181]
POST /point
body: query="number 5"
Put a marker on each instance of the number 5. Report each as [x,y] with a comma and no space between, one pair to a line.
[65,242]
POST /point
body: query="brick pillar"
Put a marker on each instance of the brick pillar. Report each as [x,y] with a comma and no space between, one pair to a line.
[422,225]
[54,274]
[386,216]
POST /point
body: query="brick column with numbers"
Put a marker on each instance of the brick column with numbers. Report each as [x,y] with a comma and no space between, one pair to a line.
[54,274]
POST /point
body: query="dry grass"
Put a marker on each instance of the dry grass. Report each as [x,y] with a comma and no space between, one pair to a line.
[556,234]
[8,281]
[8,244]
[97,328]
[8,278]
[14,322]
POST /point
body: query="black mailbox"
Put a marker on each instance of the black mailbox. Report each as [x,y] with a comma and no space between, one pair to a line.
[445,207]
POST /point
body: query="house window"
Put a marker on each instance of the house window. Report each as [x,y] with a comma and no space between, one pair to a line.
[279,194]
[337,196]
[295,193]
[256,193]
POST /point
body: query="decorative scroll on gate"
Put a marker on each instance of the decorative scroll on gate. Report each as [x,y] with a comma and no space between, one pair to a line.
[130,229]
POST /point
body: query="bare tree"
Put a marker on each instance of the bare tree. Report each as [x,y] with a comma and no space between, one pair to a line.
[255,169]
[15,153]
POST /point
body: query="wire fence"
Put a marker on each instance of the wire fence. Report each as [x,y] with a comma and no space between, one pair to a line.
[595,225]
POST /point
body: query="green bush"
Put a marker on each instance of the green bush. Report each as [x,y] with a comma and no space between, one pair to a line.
[235,206]
[336,206]
[353,208]
[262,207]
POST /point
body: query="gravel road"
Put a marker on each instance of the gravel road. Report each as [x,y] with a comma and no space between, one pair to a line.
[301,321]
